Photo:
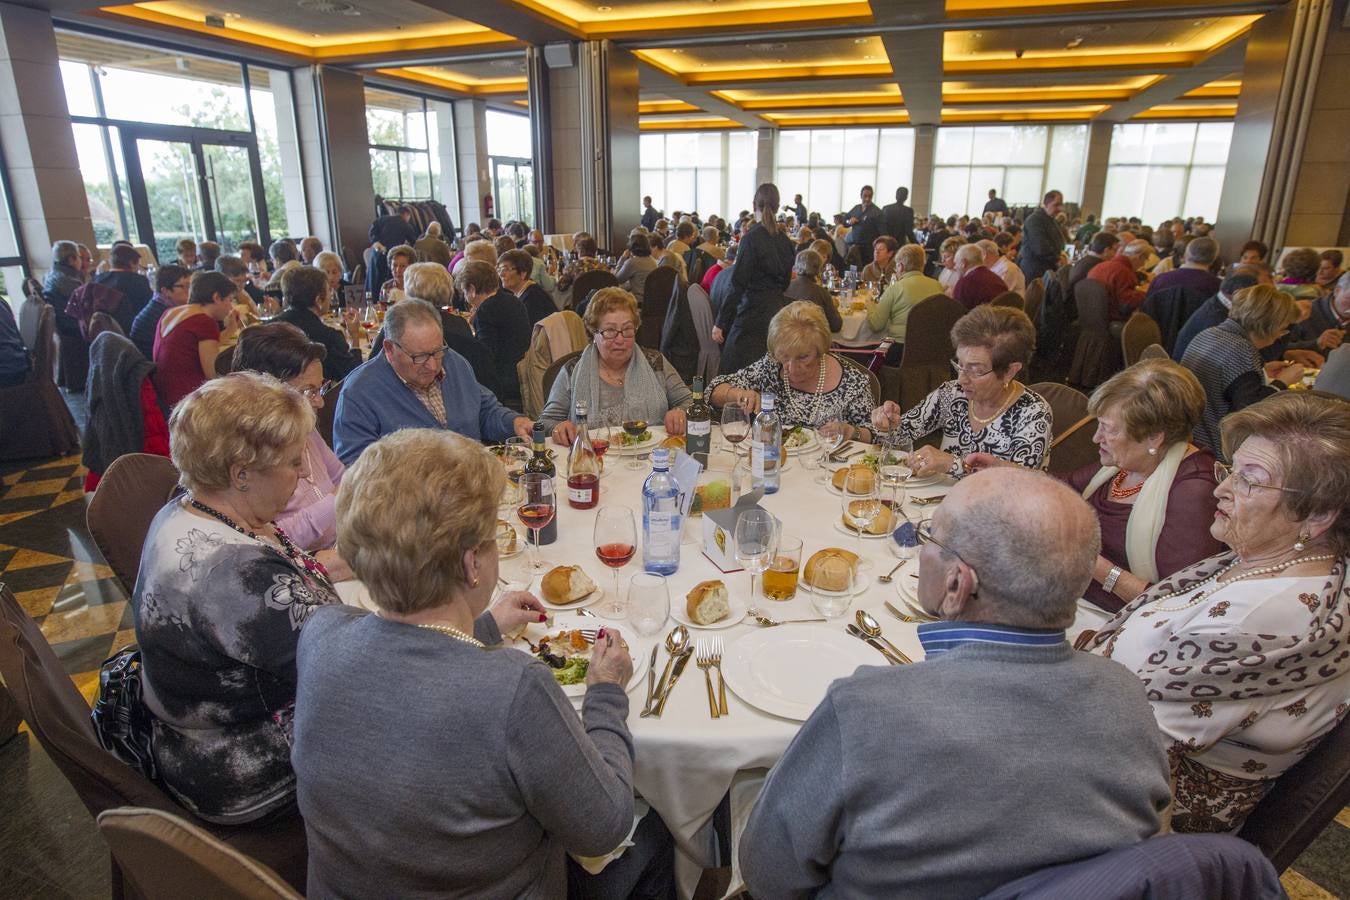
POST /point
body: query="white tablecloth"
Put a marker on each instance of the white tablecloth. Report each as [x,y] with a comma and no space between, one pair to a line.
[686,761]
[855,331]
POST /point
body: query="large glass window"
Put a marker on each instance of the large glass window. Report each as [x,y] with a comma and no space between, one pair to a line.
[708,172]
[510,148]
[829,166]
[11,255]
[1021,162]
[274,124]
[399,132]
[1163,169]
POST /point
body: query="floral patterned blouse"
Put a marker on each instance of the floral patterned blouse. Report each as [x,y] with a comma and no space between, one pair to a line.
[218,617]
[850,401]
[1020,434]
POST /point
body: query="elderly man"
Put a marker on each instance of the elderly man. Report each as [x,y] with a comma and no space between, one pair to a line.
[125,276]
[911,287]
[1003,248]
[310,247]
[1120,276]
[1042,238]
[882,266]
[417,382]
[1103,246]
[975,283]
[1001,753]
[710,244]
[1193,276]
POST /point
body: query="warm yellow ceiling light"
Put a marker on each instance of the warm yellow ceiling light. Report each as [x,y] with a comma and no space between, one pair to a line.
[818,119]
[438,76]
[966,7]
[665,106]
[882,95]
[1024,114]
[1222,88]
[686,123]
[1190,111]
[957,92]
[833,59]
[635,17]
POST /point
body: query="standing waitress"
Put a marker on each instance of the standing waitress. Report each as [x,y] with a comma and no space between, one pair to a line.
[761,274]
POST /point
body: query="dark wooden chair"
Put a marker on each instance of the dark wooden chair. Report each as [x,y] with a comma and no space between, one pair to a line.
[1154,351]
[1009,298]
[873,382]
[1139,333]
[1096,355]
[655,299]
[131,492]
[323,420]
[927,358]
[225,361]
[587,282]
[1035,296]
[34,419]
[1071,445]
[551,373]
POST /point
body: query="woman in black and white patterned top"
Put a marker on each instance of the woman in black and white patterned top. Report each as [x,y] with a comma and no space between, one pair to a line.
[810,385]
[984,410]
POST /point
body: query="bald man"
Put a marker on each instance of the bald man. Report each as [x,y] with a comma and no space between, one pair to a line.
[1001,753]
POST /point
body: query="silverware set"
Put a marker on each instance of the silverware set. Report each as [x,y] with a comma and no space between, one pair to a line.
[678,649]
[708,655]
[868,630]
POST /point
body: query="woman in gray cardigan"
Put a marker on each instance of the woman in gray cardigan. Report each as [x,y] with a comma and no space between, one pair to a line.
[429,759]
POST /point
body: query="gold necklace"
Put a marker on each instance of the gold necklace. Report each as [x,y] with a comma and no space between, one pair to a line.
[455,633]
[980,420]
[1219,585]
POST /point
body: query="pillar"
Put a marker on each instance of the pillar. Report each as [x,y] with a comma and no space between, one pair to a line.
[1095,167]
[921,190]
[471,159]
[1321,211]
[766,160]
[335,156]
[288,148]
[446,188]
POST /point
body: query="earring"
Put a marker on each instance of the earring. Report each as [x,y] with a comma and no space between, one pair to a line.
[1302,539]
[1152,451]
[473,583]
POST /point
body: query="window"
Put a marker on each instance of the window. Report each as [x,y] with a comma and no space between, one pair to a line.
[12,265]
[708,172]
[510,148]
[274,124]
[829,166]
[399,130]
[1163,169]
[1021,162]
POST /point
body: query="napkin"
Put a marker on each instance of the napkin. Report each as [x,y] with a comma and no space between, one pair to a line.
[685,470]
[596,864]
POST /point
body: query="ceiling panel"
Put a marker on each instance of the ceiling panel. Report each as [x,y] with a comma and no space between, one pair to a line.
[636,18]
[309,21]
[1178,36]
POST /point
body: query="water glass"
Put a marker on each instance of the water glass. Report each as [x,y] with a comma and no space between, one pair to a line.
[648,603]
[833,604]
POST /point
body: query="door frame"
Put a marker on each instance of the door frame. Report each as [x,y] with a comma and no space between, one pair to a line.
[516,163]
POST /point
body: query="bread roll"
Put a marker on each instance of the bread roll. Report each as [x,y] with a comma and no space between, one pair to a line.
[565,584]
[707,603]
[884,523]
[674,442]
[829,569]
[865,481]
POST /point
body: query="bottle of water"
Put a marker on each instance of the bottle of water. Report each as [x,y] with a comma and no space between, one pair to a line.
[660,517]
[765,447]
[851,279]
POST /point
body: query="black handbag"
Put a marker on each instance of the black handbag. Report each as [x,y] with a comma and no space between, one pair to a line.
[121,721]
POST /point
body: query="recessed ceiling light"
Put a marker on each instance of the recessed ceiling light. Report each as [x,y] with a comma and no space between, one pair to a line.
[232,15]
[1171,43]
[603,8]
[677,50]
[860,40]
[978,34]
[765,47]
[1201,23]
[313,34]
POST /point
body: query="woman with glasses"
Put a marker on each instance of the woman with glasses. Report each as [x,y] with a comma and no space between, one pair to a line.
[1243,654]
[281,350]
[984,410]
[1227,358]
[615,380]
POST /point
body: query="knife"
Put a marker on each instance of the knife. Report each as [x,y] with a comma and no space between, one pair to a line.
[874,644]
[674,677]
[651,677]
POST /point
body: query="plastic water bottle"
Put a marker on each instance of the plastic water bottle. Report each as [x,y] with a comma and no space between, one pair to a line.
[660,517]
[765,447]
[851,279]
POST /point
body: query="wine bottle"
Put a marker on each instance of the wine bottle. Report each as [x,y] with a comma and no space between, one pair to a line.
[698,431]
[541,463]
[583,466]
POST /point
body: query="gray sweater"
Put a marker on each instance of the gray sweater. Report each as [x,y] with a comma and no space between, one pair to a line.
[951,777]
[428,767]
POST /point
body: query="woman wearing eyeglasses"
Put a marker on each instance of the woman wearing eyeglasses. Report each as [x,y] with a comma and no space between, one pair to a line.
[1243,654]
[984,410]
[613,377]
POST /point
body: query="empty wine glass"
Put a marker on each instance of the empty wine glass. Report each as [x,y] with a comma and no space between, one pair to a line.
[893,467]
[830,436]
[535,512]
[648,603]
[756,538]
[861,502]
[615,536]
[833,604]
[735,425]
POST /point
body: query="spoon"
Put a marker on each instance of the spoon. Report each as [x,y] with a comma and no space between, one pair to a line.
[886,579]
[676,642]
[872,628]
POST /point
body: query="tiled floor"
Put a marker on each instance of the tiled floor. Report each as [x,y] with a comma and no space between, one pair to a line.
[49,846]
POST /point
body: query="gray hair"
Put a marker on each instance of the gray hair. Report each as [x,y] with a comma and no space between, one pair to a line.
[808,264]
[405,313]
[433,229]
[429,281]
[1138,247]
[969,255]
[989,248]
[231,266]
[483,250]
[710,234]
[1202,250]
[64,250]
[1031,540]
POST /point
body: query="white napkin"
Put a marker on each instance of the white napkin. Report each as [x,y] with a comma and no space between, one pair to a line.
[596,864]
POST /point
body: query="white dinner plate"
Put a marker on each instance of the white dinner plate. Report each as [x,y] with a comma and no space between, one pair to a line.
[629,449]
[785,671]
[639,647]
[811,443]
[678,606]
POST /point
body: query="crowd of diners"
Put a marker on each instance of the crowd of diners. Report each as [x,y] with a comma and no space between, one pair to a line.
[1214,531]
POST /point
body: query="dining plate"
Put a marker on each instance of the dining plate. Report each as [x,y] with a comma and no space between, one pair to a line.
[642,447]
[738,610]
[806,446]
[785,671]
[590,599]
[639,647]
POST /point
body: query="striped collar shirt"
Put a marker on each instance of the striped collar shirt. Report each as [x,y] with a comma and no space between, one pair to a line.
[939,637]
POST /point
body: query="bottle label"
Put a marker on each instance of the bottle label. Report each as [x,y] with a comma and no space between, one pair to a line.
[579,495]
[660,529]
[757,459]
[700,428]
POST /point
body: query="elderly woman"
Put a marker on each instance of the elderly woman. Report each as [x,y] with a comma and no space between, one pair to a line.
[1300,274]
[811,386]
[1227,358]
[1243,653]
[948,276]
[188,337]
[1153,490]
[514,269]
[636,265]
[330,264]
[501,820]
[400,258]
[281,350]
[500,322]
[761,274]
[985,410]
[805,285]
[616,380]
[303,289]
[222,596]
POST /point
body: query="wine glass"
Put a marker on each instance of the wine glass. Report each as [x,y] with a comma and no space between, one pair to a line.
[894,467]
[368,320]
[648,603]
[861,501]
[601,438]
[535,512]
[634,424]
[831,437]
[615,537]
[756,538]
[735,425]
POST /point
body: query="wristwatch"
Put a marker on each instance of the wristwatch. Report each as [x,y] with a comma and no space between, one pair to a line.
[1109,583]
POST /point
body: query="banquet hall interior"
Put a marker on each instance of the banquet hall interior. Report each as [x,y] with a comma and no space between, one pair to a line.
[443,214]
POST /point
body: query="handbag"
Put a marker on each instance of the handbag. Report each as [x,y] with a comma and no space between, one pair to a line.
[121,721]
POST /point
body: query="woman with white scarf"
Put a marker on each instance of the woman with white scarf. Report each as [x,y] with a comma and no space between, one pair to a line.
[1153,490]
[613,378]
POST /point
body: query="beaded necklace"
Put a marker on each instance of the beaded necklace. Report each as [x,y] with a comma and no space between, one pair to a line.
[1123,493]
[292,552]
[1206,593]
[455,633]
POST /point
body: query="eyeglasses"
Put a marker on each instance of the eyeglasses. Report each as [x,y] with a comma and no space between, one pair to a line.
[970,371]
[421,359]
[1243,485]
[310,393]
[925,535]
[612,334]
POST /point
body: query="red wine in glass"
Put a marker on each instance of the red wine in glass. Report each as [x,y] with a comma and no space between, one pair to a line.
[535,515]
[616,556]
[599,445]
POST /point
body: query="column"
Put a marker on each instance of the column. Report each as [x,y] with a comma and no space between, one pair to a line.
[565,133]
[765,163]
[471,160]
[447,182]
[288,148]
[1321,212]
[35,133]
[1095,166]
[921,184]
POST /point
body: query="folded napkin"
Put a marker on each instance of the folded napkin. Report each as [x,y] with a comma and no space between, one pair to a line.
[596,864]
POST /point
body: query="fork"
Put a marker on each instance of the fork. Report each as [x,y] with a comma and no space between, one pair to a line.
[721,682]
[703,656]
[903,617]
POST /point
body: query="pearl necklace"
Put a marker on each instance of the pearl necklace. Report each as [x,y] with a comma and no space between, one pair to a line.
[1206,593]
[455,633]
[820,387]
[980,420]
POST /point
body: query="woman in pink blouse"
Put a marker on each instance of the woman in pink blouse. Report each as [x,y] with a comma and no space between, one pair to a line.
[309,519]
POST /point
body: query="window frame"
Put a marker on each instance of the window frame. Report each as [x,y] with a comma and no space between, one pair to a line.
[399,149]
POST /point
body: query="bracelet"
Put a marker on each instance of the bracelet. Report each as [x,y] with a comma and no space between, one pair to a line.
[1109,583]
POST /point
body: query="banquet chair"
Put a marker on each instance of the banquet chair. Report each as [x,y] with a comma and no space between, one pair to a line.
[29,312]
[133,489]
[10,716]
[34,419]
[323,419]
[1035,296]
[873,382]
[1096,354]
[1170,308]
[655,298]
[551,374]
[586,282]
[709,351]
[1154,351]
[163,855]
[1009,298]
[1303,800]
[1139,333]
[1071,431]
[59,719]
[926,361]
[100,322]
[225,361]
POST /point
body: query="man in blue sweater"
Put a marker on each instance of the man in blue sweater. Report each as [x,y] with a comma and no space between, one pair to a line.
[417,382]
[1002,752]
